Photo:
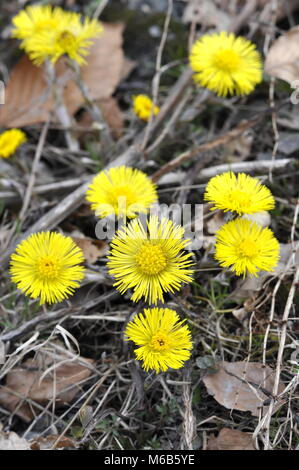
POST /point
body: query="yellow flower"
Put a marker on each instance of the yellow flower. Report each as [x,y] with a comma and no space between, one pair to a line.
[242,194]
[150,261]
[164,340]
[123,191]
[10,141]
[142,107]
[47,265]
[49,33]
[35,19]
[226,64]
[246,247]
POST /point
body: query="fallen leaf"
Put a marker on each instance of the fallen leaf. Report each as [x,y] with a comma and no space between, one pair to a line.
[28,98]
[240,314]
[238,386]
[215,222]
[283,8]
[282,60]
[92,249]
[231,439]
[262,218]
[112,114]
[11,441]
[29,382]
[288,142]
[222,13]
[46,443]
[206,13]
[237,150]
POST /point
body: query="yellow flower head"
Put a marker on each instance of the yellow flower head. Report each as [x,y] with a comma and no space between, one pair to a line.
[142,107]
[164,340]
[35,19]
[49,33]
[10,141]
[246,247]
[150,261]
[239,193]
[123,191]
[226,64]
[47,265]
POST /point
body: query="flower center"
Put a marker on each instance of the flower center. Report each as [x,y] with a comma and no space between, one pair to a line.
[122,198]
[248,248]
[240,198]
[151,259]
[66,40]
[48,267]
[159,341]
[227,60]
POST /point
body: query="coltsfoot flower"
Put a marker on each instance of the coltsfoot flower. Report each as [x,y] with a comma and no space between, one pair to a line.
[47,33]
[226,64]
[150,261]
[123,191]
[239,193]
[35,19]
[47,266]
[164,340]
[142,107]
[246,247]
[10,141]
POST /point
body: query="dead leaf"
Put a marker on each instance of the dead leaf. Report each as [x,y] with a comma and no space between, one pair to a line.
[28,98]
[240,314]
[28,382]
[288,142]
[92,249]
[262,218]
[215,222]
[283,8]
[237,150]
[222,13]
[112,114]
[231,439]
[282,60]
[238,386]
[46,443]
[206,13]
[11,441]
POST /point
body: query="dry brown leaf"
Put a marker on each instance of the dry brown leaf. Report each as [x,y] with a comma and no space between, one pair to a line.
[46,443]
[222,13]
[237,150]
[240,314]
[92,249]
[207,13]
[230,387]
[11,441]
[283,8]
[24,382]
[28,99]
[112,114]
[215,222]
[262,218]
[231,439]
[282,60]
